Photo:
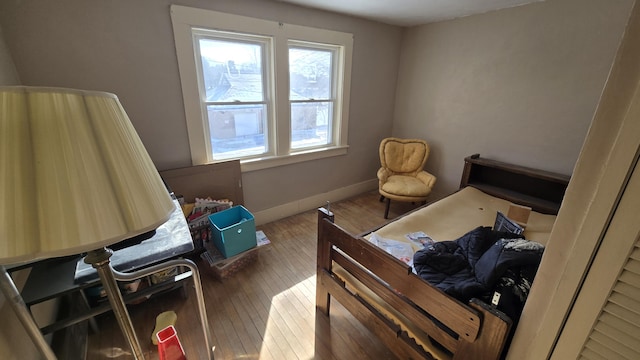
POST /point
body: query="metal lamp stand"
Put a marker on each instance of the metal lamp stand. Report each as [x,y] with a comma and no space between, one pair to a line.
[99,259]
[11,293]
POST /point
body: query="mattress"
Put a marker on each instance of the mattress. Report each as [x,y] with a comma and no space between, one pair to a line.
[460,212]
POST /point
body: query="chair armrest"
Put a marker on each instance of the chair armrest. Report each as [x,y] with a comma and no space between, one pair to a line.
[427,178]
[383,175]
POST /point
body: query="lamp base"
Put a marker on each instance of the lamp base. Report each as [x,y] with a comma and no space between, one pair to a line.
[99,259]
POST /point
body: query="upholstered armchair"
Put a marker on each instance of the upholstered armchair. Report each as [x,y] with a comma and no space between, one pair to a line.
[401,176]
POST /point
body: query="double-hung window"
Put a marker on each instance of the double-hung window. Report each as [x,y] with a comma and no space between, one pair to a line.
[311,94]
[233,91]
[260,91]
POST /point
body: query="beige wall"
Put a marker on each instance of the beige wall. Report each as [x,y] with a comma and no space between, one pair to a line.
[8,74]
[602,170]
[523,85]
[127,47]
[519,85]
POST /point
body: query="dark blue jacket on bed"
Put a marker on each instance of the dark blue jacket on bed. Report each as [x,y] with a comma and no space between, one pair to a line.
[472,265]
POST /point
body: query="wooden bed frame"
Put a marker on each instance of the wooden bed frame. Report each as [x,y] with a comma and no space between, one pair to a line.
[477,330]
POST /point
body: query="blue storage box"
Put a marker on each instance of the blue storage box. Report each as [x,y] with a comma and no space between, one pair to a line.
[233,230]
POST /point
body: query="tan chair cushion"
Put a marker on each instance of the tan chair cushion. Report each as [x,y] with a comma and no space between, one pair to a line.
[405,186]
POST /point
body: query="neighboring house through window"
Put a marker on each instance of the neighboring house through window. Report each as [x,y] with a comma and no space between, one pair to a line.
[260,91]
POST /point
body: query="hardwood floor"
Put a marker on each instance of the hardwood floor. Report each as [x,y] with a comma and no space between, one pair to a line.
[267,309]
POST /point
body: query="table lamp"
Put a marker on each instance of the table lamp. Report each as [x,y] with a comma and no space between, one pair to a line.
[74,178]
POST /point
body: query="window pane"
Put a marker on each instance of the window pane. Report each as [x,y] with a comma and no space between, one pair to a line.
[237,130]
[310,124]
[310,74]
[232,70]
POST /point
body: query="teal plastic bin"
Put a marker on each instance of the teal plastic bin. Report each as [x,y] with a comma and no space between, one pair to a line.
[233,230]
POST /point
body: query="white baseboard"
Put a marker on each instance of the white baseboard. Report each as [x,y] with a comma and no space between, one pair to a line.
[312,202]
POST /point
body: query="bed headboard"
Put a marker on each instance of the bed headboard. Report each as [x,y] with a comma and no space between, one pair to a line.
[541,190]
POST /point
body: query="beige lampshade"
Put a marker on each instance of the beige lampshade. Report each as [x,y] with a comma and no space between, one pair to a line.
[74,175]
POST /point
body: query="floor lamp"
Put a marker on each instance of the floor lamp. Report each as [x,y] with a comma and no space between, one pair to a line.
[74,178]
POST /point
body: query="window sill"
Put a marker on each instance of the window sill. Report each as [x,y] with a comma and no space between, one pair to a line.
[275,161]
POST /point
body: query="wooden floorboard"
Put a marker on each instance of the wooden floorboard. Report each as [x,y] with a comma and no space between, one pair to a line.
[267,309]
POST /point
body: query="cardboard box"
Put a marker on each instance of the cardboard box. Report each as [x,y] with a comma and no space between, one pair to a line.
[233,230]
[519,214]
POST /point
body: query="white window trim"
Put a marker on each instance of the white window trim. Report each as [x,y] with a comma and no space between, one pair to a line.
[186,18]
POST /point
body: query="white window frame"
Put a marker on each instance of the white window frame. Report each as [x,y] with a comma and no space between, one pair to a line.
[267,79]
[185,19]
[335,69]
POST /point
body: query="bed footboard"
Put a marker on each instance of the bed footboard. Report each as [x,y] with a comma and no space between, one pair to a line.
[457,330]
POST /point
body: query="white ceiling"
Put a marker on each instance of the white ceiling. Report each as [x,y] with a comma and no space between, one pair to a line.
[410,12]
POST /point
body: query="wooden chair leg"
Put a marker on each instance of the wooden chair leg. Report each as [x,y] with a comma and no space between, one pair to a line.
[381,198]
[386,210]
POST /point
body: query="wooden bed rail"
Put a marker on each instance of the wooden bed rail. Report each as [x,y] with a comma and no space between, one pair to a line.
[323,261]
[474,331]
